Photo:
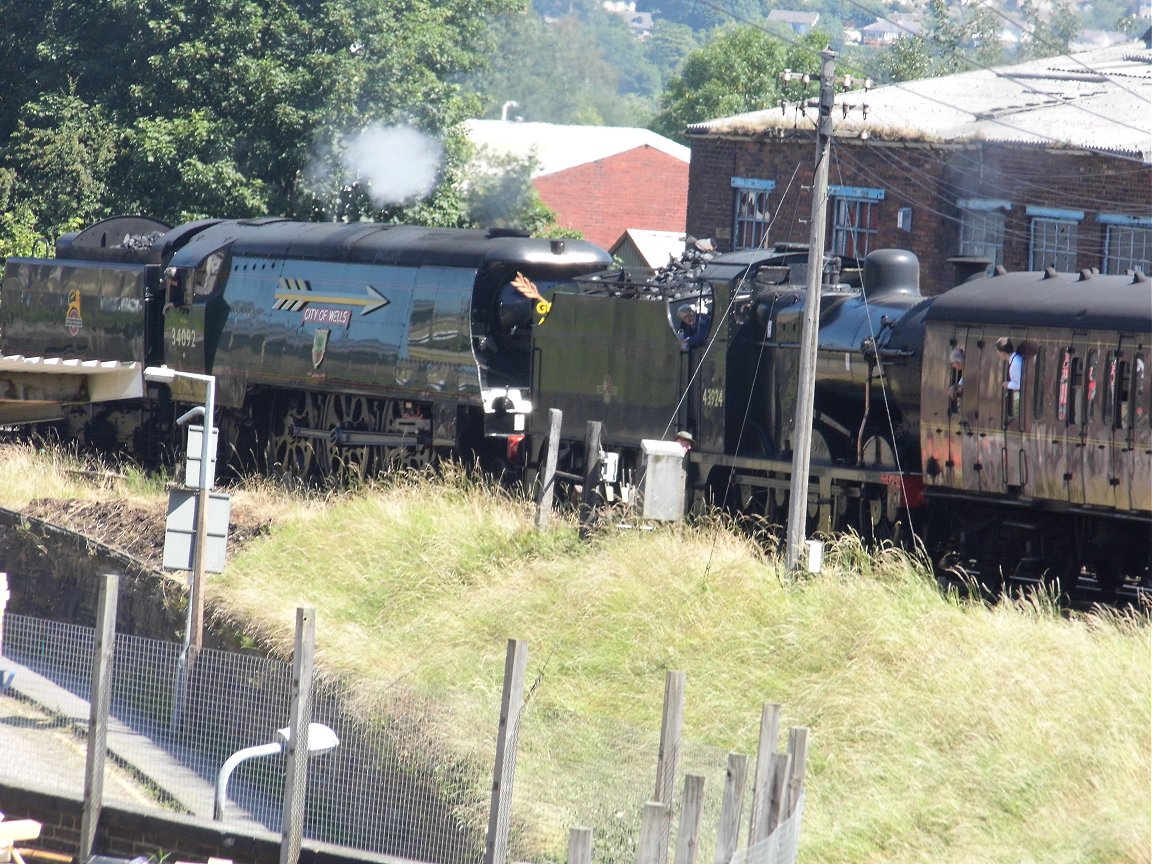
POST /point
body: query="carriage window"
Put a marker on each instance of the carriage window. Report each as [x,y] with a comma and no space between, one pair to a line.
[1139,409]
[1076,392]
[1038,385]
[1062,392]
[1090,388]
[1114,400]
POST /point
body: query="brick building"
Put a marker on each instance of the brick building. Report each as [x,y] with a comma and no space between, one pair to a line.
[1047,163]
[598,180]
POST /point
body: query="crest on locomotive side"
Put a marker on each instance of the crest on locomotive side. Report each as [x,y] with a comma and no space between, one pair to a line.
[319,346]
[73,320]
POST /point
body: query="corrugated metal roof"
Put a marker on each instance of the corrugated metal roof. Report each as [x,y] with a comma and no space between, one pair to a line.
[1096,100]
[558,147]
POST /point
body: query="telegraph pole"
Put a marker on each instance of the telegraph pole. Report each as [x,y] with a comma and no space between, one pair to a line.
[809,340]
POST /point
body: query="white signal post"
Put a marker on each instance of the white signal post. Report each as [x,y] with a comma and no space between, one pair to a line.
[194,631]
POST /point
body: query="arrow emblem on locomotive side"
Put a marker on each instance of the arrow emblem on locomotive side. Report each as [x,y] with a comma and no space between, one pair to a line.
[295,295]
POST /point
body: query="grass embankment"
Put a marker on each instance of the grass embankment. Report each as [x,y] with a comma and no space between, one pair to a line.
[941,731]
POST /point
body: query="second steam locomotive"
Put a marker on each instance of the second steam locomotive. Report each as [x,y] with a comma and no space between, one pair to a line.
[341,348]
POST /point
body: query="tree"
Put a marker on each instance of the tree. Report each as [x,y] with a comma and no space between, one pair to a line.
[1052,33]
[219,107]
[738,71]
[64,150]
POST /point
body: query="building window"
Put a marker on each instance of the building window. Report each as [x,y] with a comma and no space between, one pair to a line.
[1127,243]
[982,229]
[1053,238]
[854,219]
[752,215]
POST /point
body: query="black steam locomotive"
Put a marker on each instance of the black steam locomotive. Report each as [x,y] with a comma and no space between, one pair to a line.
[1049,481]
[337,348]
[333,346]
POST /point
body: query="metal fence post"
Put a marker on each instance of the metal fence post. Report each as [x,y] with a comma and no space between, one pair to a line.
[296,750]
[504,772]
[99,701]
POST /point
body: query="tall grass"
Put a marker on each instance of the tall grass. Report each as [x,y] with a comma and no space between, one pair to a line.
[941,730]
[29,472]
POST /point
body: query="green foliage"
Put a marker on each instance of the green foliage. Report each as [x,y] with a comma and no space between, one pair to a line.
[736,72]
[500,194]
[1052,31]
[180,109]
[955,40]
[571,70]
[62,151]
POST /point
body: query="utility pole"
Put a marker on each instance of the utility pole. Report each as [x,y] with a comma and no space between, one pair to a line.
[809,339]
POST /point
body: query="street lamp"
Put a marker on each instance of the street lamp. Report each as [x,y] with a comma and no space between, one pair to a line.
[321,739]
[194,631]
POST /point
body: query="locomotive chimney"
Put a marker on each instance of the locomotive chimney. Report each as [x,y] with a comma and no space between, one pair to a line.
[557,247]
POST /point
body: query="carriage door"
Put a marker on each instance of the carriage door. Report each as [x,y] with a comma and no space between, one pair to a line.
[1071,414]
[960,406]
[1014,467]
[1123,397]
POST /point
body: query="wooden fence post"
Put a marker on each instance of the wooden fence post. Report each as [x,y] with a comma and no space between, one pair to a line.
[668,757]
[798,749]
[548,488]
[778,787]
[591,478]
[691,814]
[296,750]
[99,703]
[653,826]
[769,731]
[504,771]
[580,846]
[728,832]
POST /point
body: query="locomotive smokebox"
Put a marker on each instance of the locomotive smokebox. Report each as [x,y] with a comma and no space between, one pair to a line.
[891,271]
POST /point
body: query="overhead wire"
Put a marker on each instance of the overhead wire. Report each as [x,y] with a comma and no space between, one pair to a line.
[1007,74]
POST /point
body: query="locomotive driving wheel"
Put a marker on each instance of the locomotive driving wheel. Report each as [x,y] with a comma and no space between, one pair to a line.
[288,454]
[410,421]
[344,413]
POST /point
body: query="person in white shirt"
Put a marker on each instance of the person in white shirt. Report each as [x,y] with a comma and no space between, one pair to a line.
[1015,362]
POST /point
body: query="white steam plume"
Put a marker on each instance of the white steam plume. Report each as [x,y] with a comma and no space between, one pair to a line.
[395,163]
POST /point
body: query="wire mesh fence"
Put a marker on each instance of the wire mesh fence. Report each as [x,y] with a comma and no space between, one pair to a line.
[392,786]
[176,718]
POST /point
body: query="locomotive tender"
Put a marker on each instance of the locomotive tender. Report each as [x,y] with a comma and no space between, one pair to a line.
[341,348]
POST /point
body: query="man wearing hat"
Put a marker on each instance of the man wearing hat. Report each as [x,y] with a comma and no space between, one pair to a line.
[686,440]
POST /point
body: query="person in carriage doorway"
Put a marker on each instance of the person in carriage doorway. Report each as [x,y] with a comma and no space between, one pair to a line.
[956,362]
[686,440]
[1015,373]
[693,329]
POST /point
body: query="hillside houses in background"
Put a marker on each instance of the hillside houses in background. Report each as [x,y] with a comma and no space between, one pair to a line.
[598,180]
[1041,164]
